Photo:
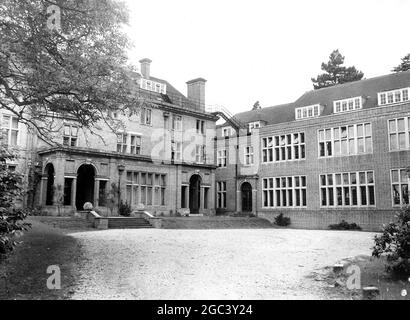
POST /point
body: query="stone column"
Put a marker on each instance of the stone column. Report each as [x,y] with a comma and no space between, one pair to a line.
[96,192]
[74,193]
[238,201]
[43,190]
[254,201]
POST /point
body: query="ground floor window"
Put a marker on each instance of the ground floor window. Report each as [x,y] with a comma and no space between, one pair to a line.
[347,189]
[284,192]
[400,187]
[206,196]
[146,188]
[221,194]
[102,194]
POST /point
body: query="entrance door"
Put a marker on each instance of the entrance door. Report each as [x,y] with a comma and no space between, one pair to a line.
[246,191]
[85,186]
[195,194]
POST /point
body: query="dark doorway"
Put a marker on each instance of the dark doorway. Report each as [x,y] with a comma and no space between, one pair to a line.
[246,191]
[195,194]
[50,184]
[85,186]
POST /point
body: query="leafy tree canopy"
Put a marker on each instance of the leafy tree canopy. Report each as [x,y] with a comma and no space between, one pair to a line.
[336,72]
[63,57]
[404,65]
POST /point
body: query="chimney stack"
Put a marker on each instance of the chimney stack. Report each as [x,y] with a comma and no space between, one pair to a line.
[196,92]
[145,68]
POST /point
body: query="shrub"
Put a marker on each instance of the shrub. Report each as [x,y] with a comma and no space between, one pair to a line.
[394,243]
[344,226]
[124,209]
[282,221]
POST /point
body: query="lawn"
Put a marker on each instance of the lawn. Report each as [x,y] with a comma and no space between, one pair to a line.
[23,274]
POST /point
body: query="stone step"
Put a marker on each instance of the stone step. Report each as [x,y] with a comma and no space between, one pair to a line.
[127,223]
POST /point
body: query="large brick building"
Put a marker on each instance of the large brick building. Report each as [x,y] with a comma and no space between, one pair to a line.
[336,153]
[162,156]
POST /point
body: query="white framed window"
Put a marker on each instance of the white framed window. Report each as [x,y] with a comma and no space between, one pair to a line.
[345,105]
[10,129]
[200,126]
[347,189]
[312,111]
[146,116]
[249,158]
[253,125]
[153,86]
[284,192]
[200,155]
[122,145]
[176,123]
[346,140]
[393,96]
[176,150]
[400,187]
[399,134]
[221,194]
[221,158]
[135,144]
[70,136]
[288,147]
[147,188]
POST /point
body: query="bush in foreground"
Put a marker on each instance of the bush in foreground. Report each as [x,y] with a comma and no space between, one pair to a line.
[343,225]
[394,243]
[282,221]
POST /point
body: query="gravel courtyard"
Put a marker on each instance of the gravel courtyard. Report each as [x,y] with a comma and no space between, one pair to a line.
[211,264]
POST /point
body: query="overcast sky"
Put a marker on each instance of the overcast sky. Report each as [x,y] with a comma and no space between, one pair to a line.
[265,50]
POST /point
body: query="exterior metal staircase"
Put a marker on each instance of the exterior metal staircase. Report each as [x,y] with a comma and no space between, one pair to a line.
[221,111]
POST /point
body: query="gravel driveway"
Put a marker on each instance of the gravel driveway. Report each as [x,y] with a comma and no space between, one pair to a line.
[211,264]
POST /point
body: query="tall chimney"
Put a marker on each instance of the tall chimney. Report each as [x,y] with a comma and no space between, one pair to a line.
[196,92]
[145,67]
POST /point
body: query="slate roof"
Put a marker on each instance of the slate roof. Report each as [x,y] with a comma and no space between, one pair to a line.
[367,88]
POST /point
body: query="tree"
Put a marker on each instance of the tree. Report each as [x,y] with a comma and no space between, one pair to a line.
[404,65]
[11,217]
[335,72]
[64,58]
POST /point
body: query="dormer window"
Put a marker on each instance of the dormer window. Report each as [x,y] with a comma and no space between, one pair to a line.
[345,105]
[254,125]
[307,112]
[393,96]
[153,86]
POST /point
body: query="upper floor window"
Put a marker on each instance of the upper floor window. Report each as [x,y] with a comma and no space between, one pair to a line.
[200,153]
[249,156]
[347,189]
[153,86]
[226,132]
[122,143]
[176,123]
[129,143]
[135,145]
[146,116]
[346,140]
[307,112]
[176,150]
[399,134]
[254,125]
[221,158]
[284,148]
[70,136]
[10,129]
[200,126]
[393,96]
[347,105]
[400,187]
